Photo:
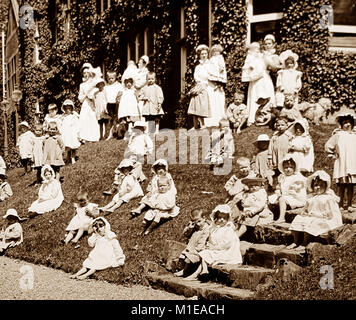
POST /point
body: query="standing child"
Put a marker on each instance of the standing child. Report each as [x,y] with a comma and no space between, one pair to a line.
[223,245]
[25,145]
[12,235]
[237,112]
[70,131]
[52,116]
[5,188]
[83,218]
[162,205]
[341,148]
[289,79]
[128,104]
[301,146]
[291,192]
[321,213]
[53,148]
[261,167]
[111,89]
[152,96]
[217,68]
[37,152]
[129,189]
[50,196]
[107,252]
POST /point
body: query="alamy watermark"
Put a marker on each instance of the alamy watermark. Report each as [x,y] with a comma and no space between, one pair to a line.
[27,280]
[27,18]
[327,16]
[327,280]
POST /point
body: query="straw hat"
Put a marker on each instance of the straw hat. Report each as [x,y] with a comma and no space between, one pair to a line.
[86,65]
[52,106]
[222,208]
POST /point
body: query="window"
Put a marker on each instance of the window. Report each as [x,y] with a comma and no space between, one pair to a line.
[12,77]
[183,50]
[343,29]
[142,44]
[264,17]
[102,5]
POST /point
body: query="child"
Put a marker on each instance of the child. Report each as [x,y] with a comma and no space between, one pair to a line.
[278,146]
[237,112]
[291,191]
[341,148]
[196,244]
[12,235]
[24,145]
[301,146]
[52,116]
[50,196]
[195,216]
[223,245]
[53,148]
[129,188]
[2,166]
[321,213]
[217,68]
[234,186]
[5,188]
[37,152]
[162,205]
[291,109]
[111,89]
[222,144]
[289,79]
[107,252]
[264,113]
[70,131]
[128,104]
[142,72]
[152,96]
[255,72]
[261,167]
[254,206]
[159,169]
[83,219]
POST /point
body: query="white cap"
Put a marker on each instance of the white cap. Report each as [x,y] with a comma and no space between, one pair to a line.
[24,123]
[263,137]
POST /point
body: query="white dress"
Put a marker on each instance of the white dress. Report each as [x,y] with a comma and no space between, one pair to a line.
[51,193]
[223,246]
[2,166]
[128,106]
[89,129]
[11,236]
[107,252]
[70,130]
[130,188]
[293,189]
[81,220]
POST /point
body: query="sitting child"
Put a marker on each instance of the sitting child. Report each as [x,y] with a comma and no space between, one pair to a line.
[159,169]
[223,245]
[291,190]
[50,196]
[129,189]
[237,112]
[12,234]
[321,213]
[261,167]
[196,244]
[254,206]
[84,216]
[107,252]
[235,187]
[5,188]
[195,216]
[162,205]
[301,146]
[290,109]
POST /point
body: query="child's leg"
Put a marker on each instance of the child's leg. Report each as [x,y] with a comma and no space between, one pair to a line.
[195,122]
[67,155]
[157,124]
[350,193]
[109,205]
[86,275]
[282,210]
[38,174]
[79,234]
[139,209]
[295,240]
[195,274]
[342,193]
[306,238]
[242,230]
[69,236]
[116,206]
[80,272]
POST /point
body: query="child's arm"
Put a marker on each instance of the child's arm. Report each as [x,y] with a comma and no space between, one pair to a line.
[299,82]
[92,239]
[330,146]
[7,192]
[13,233]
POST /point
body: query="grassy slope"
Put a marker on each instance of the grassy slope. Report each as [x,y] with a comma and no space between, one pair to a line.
[94,172]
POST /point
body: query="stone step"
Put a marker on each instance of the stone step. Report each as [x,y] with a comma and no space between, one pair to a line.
[267,255]
[276,234]
[244,276]
[196,288]
[349,217]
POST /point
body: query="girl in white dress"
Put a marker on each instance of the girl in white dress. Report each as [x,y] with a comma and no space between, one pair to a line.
[89,126]
[223,245]
[321,213]
[107,252]
[255,72]
[70,130]
[129,189]
[12,234]
[50,196]
[85,214]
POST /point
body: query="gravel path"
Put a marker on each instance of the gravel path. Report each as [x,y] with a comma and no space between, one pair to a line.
[51,284]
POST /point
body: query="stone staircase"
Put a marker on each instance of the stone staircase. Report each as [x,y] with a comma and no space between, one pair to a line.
[264,248]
